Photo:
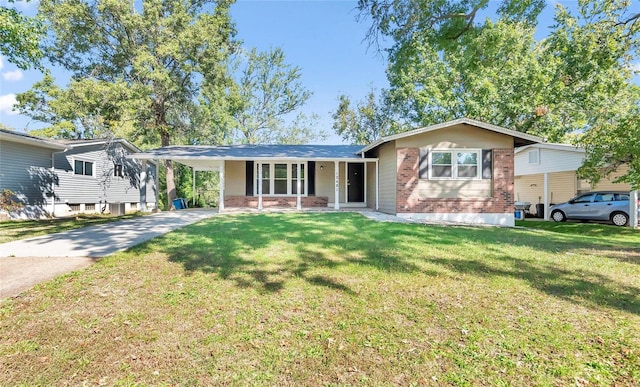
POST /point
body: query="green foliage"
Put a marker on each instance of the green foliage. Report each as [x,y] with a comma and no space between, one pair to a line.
[446,64]
[20,37]
[366,123]
[266,91]
[145,62]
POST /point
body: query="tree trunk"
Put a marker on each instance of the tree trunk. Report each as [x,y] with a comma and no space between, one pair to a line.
[168,165]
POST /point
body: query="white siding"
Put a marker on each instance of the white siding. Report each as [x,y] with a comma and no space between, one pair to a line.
[551,160]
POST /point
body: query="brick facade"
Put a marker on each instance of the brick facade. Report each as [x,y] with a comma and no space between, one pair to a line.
[408,200]
[279,201]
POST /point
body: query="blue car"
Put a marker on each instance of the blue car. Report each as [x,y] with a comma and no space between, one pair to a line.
[612,206]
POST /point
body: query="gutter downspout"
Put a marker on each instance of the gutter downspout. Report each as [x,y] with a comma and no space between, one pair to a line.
[53,171]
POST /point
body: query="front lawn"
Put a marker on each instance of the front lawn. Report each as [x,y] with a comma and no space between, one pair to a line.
[12,230]
[334,298]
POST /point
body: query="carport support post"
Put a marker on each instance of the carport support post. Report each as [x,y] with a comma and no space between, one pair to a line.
[336,200]
[633,216]
[143,186]
[221,198]
[194,186]
[298,200]
[157,184]
[259,186]
[546,196]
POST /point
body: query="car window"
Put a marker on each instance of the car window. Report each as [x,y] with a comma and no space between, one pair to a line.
[599,198]
[583,198]
[608,197]
[622,196]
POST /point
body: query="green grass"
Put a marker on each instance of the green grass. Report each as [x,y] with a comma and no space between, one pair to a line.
[336,299]
[22,229]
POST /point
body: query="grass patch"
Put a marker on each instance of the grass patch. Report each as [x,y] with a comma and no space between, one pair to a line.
[23,229]
[337,299]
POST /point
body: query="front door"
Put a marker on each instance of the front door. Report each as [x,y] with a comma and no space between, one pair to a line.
[355,182]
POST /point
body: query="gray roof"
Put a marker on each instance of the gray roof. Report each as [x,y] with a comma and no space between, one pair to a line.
[250,152]
[10,135]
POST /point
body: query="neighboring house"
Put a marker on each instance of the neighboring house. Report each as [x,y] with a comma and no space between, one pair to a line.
[26,170]
[97,176]
[61,178]
[459,171]
[546,174]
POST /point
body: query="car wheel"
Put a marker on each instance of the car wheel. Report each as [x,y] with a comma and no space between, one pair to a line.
[620,219]
[558,216]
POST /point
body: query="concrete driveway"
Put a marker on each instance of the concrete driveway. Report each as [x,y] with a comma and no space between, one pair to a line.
[27,262]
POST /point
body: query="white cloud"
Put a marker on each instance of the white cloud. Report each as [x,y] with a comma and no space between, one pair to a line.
[6,104]
[15,75]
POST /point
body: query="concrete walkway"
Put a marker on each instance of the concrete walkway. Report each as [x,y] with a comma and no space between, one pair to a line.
[27,262]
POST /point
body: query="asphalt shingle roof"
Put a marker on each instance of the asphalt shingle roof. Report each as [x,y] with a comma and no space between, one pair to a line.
[260,151]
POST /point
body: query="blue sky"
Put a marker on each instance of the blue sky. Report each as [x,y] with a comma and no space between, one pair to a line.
[321,37]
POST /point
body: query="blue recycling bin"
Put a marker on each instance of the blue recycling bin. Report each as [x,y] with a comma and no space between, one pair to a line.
[178,203]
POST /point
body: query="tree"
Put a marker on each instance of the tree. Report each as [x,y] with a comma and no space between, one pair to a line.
[20,37]
[365,123]
[446,63]
[162,51]
[267,91]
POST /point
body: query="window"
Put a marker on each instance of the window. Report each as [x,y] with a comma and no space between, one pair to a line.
[117,170]
[534,156]
[583,199]
[280,179]
[83,168]
[455,164]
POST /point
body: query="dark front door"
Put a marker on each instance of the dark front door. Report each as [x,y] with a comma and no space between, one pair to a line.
[355,182]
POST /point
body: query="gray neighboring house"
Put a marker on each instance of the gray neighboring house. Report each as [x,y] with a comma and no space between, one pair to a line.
[62,178]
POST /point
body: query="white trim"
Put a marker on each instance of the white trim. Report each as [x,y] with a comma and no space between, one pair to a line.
[554,146]
[545,190]
[143,186]
[346,182]
[454,163]
[336,169]
[366,183]
[259,186]
[497,219]
[467,121]
[290,179]
[298,186]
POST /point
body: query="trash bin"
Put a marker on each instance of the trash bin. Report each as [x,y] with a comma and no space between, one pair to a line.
[177,204]
[540,210]
[519,214]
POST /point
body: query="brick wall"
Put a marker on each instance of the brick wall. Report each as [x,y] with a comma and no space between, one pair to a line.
[270,201]
[409,201]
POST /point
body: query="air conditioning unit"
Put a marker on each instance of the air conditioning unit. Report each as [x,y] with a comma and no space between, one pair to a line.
[116,208]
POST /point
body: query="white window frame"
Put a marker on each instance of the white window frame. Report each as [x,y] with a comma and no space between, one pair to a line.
[454,163]
[536,159]
[290,179]
[93,167]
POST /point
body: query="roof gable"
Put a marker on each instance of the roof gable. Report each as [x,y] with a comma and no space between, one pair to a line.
[523,138]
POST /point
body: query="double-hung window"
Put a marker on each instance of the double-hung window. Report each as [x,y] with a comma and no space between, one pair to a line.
[81,167]
[281,179]
[458,164]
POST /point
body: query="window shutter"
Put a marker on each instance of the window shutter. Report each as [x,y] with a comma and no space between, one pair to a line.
[487,164]
[424,163]
[249,179]
[311,175]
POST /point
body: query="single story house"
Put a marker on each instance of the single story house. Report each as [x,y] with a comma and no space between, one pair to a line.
[66,177]
[459,171]
[546,174]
